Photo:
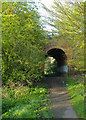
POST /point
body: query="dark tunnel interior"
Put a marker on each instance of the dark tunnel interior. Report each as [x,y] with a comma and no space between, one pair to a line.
[59,55]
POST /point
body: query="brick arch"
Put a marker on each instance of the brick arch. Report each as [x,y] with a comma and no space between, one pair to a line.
[58,54]
[61,62]
[54,44]
[52,47]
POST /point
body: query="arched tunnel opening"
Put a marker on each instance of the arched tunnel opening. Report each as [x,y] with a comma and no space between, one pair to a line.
[57,60]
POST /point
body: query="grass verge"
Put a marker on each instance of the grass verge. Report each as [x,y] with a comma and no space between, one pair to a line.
[76,91]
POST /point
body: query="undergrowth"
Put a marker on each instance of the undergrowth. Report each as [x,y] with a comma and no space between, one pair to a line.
[25,102]
[76,91]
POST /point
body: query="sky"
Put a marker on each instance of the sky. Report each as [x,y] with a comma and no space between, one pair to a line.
[48,4]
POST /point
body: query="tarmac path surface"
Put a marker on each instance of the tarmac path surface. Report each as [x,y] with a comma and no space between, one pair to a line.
[60,100]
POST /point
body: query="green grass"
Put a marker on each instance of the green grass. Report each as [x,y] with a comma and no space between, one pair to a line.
[76,91]
[24,102]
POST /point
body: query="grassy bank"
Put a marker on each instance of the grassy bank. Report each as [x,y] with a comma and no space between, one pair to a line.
[76,91]
[25,102]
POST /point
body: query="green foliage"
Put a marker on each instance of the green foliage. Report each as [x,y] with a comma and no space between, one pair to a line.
[24,102]
[23,42]
[50,66]
[76,91]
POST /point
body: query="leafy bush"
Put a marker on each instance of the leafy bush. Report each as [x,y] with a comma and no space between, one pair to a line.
[23,42]
[50,66]
[24,102]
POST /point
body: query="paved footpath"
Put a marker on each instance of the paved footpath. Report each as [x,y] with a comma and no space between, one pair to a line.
[60,105]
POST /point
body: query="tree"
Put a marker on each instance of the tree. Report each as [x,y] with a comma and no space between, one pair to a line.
[23,43]
[68,19]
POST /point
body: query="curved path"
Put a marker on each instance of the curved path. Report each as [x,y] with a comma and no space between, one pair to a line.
[60,105]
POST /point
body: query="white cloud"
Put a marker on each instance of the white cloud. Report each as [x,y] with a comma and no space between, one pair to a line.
[47,3]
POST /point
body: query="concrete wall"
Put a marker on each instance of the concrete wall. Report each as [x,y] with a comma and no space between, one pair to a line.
[62,69]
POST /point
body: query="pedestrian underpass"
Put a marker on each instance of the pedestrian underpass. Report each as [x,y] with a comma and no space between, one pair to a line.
[60,57]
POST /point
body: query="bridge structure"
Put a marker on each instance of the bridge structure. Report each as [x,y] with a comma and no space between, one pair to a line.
[60,53]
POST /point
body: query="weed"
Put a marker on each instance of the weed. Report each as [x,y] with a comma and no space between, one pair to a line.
[24,102]
[76,91]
